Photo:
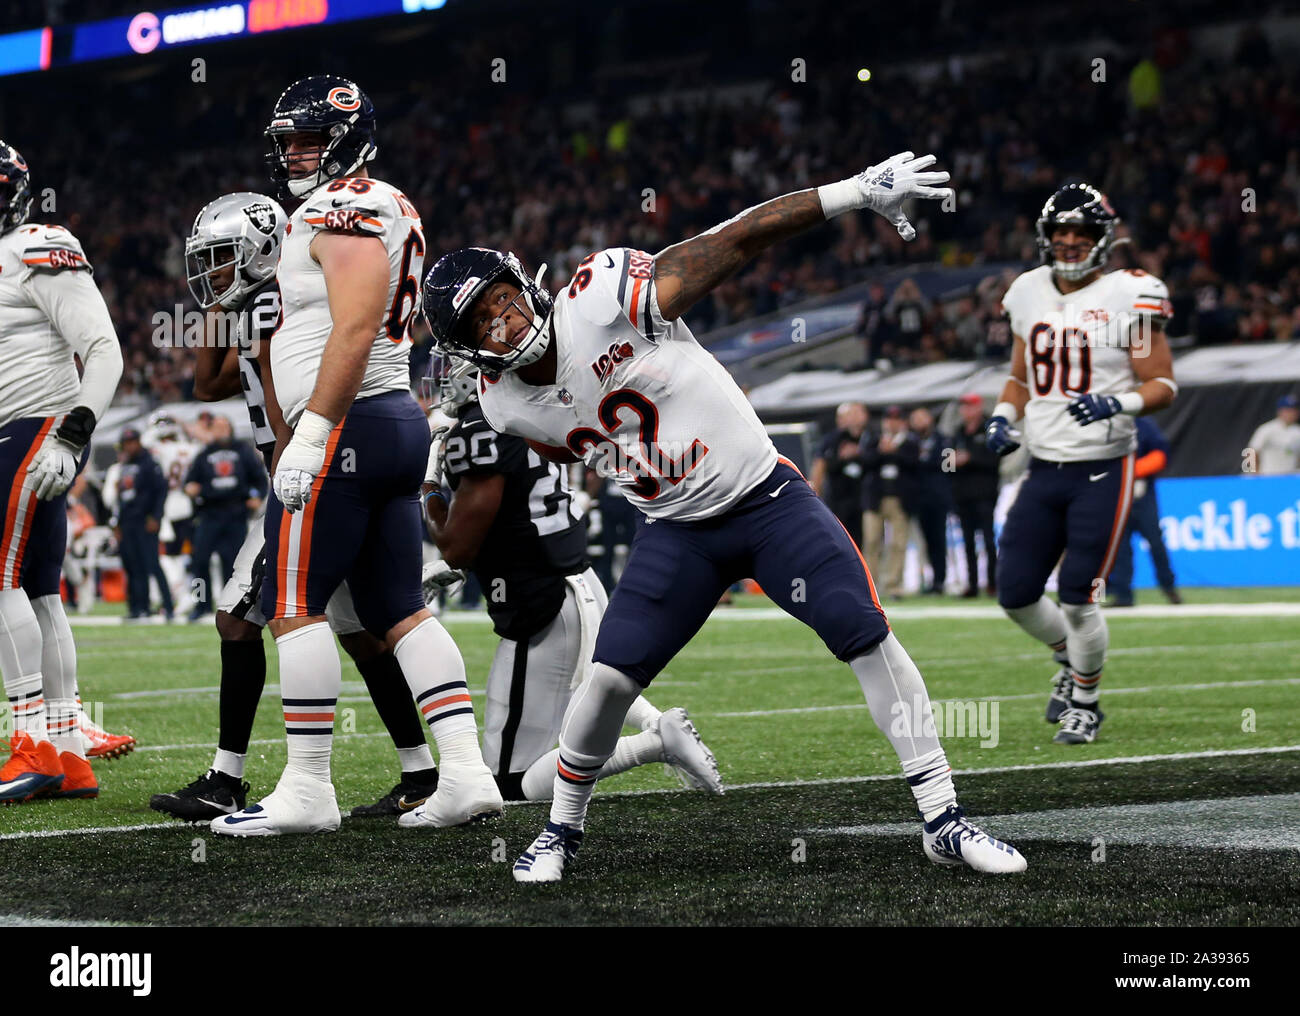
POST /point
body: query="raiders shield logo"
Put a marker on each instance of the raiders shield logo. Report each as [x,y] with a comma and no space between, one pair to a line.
[261,216]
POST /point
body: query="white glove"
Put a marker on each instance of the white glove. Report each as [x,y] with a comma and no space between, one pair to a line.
[300,462]
[53,467]
[884,187]
[437,439]
[437,576]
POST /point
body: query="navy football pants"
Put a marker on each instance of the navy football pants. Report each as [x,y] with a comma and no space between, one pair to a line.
[780,534]
[1079,509]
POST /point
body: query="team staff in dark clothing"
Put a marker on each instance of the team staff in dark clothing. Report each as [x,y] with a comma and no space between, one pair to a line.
[837,472]
[927,490]
[975,490]
[141,490]
[1152,457]
[226,481]
[883,498]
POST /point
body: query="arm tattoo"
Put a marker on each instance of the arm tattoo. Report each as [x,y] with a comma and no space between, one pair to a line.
[702,262]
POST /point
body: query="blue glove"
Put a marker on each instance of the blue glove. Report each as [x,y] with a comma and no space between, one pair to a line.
[1001,436]
[1088,409]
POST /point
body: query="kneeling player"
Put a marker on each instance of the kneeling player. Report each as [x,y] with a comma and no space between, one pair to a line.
[231,256]
[607,370]
[509,520]
[1089,356]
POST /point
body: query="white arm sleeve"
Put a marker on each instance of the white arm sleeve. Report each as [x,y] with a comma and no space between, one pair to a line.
[72,302]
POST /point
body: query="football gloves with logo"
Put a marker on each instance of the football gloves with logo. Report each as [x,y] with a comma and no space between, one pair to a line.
[884,188]
[438,576]
[1001,436]
[54,466]
[301,461]
[1088,409]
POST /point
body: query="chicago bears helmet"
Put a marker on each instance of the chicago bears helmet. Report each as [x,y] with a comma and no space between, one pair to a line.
[1084,205]
[336,110]
[457,280]
[15,189]
[243,229]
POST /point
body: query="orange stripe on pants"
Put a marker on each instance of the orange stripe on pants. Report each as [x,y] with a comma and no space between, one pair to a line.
[12,575]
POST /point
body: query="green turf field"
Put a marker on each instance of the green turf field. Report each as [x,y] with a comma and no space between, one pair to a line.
[1200,824]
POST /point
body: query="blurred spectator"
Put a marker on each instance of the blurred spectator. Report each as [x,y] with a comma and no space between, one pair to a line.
[1276,444]
[908,314]
[975,491]
[141,490]
[1144,518]
[872,328]
[227,481]
[927,491]
[884,501]
[837,470]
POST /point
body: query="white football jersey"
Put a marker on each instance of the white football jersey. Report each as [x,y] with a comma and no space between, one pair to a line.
[637,394]
[1078,343]
[174,458]
[357,206]
[38,375]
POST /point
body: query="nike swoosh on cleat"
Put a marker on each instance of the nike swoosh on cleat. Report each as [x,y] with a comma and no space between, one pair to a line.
[404,805]
[778,489]
[1098,476]
[234,819]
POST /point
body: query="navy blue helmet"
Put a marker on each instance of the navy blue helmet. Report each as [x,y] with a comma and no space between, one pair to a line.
[1078,204]
[15,189]
[338,111]
[460,278]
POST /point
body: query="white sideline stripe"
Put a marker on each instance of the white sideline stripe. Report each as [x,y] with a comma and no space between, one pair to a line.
[773,785]
[1202,686]
[900,611]
[21,921]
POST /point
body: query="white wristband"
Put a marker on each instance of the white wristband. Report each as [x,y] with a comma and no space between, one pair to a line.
[838,198]
[1132,403]
[1007,410]
[313,429]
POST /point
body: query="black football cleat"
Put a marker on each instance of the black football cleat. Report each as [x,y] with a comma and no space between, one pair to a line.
[406,796]
[210,796]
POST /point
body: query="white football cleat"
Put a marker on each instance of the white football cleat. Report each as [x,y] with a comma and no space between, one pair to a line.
[951,840]
[299,804]
[544,861]
[688,755]
[465,794]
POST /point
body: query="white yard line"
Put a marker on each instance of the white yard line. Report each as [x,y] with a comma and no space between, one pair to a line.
[1144,690]
[772,785]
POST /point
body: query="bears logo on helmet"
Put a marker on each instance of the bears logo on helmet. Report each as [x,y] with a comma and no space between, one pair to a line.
[15,189]
[344,98]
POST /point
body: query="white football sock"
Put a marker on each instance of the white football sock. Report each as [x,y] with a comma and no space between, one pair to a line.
[435,673]
[588,738]
[1042,620]
[538,781]
[20,663]
[229,763]
[1087,641]
[900,705]
[310,678]
[413,760]
[59,675]
[642,714]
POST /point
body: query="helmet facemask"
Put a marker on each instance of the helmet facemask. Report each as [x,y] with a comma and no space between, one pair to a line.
[532,302]
[334,157]
[1103,238]
[453,382]
[204,260]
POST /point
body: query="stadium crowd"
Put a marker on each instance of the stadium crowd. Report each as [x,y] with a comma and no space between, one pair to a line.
[1210,196]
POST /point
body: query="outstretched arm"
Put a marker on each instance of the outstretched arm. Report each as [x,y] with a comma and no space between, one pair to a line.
[686,271]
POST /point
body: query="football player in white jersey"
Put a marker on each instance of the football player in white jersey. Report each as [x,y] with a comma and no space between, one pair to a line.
[346,502]
[509,519]
[231,256]
[1089,356]
[50,313]
[607,371]
[173,449]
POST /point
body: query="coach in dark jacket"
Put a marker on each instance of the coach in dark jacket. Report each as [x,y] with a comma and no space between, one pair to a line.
[927,490]
[975,490]
[141,490]
[837,472]
[226,481]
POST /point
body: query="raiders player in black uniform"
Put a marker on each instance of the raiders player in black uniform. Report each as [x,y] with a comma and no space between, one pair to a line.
[231,257]
[509,517]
